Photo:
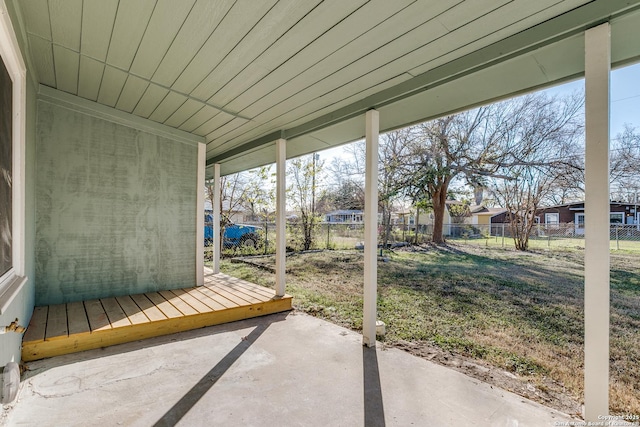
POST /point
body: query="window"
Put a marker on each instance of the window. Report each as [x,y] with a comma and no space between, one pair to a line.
[12,125]
[552,218]
[6,172]
[616,217]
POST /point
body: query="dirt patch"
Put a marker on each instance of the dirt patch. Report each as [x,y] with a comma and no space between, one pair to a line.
[550,394]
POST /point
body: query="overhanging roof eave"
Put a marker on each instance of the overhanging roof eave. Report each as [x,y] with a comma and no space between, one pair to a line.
[545,33]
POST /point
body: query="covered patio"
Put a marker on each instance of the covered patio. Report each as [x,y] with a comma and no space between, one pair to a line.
[284,369]
[120,110]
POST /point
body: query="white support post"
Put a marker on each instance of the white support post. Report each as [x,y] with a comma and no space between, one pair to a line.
[202,162]
[371,230]
[217,245]
[596,256]
[281,206]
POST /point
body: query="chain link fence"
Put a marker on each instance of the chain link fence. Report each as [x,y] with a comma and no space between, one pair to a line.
[251,239]
[559,236]
[259,238]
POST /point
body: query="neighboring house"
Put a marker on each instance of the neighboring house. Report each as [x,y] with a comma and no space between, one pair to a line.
[448,219]
[408,219]
[481,215]
[573,213]
[345,216]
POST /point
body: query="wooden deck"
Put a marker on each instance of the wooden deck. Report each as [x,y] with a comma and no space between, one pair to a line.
[78,326]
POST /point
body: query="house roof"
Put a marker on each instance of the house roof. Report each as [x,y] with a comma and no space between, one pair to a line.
[580,205]
[490,212]
[241,74]
[345,212]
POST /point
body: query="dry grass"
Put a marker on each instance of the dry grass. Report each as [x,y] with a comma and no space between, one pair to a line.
[520,312]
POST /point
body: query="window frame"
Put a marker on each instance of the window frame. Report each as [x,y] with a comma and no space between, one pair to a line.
[555,223]
[14,279]
[621,214]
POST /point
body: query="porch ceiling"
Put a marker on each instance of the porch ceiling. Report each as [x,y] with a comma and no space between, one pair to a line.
[243,73]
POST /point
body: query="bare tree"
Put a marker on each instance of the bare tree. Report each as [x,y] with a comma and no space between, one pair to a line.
[259,195]
[304,176]
[465,144]
[233,190]
[625,165]
[543,151]
[488,143]
[392,153]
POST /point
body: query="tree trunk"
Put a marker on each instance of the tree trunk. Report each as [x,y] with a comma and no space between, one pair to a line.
[439,205]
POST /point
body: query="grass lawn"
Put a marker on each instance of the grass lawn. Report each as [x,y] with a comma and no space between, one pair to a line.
[511,315]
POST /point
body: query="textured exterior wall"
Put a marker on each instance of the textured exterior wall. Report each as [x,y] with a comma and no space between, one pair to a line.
[116,209]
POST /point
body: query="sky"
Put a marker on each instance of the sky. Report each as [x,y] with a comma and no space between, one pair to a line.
[624,95]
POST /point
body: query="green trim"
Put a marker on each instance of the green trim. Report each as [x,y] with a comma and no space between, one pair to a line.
[104,112]
[252,145]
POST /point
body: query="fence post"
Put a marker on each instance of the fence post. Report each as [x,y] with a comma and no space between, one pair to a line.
[548,236]
[266,236]
[328,233]
[617,240]
[503,234]
[404,225]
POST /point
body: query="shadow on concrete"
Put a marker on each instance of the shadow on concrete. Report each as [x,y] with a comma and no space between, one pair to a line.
[373,404]
[179,410]
[39,366]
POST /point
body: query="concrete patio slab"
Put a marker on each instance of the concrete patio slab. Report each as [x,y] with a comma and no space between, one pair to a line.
[278,370]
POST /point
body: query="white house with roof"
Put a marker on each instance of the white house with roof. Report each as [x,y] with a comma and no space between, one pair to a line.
[349,216]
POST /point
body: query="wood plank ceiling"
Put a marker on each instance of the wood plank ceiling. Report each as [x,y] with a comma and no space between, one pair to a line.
[235,70]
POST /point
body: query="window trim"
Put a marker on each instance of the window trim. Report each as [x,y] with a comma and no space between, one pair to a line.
[621,214]
[547,215]
[13,280]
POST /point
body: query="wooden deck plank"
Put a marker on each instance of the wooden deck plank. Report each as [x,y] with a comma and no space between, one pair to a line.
[225,280]
[222,291]
[117,316]
[270,293]
[226,302]
[178,303]
[57,322]
[163,305]
[192,301]
[152,312]
[250,297]
[254,292]
[40,350]
[77,318]
[37,325]
[213,304]
[134,313]
[98,320]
